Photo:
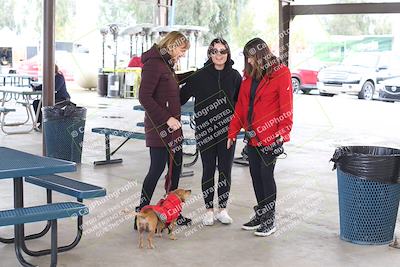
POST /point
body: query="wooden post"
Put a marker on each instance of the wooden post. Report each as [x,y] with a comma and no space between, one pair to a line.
[48,56]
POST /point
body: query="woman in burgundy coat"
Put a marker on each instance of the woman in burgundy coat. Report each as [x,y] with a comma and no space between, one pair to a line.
[159,95]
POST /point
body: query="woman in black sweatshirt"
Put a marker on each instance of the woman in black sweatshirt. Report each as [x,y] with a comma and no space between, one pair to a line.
[215,88]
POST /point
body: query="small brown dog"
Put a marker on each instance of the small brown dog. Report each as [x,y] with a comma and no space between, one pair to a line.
[155,218]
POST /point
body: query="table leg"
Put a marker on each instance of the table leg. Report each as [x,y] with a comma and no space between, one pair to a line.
[3,101]
[59,249]
[53,243]
[29,117]
[19,229]
[30,113]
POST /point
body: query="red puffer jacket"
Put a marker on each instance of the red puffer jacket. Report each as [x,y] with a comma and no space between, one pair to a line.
[167,209]
[273,108]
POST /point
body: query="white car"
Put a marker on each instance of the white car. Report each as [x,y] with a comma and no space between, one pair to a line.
[359,74]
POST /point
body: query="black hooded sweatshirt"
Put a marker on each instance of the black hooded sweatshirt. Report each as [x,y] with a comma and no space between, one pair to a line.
[215,93]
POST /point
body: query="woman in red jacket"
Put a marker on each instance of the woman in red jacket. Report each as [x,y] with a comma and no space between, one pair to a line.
[265,110]
[159,95]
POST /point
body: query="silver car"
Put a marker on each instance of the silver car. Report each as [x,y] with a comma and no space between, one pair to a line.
[359,74]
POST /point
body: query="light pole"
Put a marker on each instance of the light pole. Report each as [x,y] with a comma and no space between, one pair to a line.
[103,32]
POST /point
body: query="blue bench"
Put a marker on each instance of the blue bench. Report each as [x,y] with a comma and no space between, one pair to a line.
[49,212]
[186,110]
[115,132]
[141,124]
[126,134]
[67,186]
[6,110]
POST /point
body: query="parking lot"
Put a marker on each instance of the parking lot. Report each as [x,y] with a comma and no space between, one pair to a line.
[308,220]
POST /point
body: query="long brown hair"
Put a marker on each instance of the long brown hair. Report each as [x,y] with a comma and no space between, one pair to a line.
[264,60]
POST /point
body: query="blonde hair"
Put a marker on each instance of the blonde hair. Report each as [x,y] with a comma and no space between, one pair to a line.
[171,41]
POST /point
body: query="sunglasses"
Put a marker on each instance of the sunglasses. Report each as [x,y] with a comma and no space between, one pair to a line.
[216,51]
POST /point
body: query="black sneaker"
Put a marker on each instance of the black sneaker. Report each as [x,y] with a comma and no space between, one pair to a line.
[254,222]
[182,221]
[267,227]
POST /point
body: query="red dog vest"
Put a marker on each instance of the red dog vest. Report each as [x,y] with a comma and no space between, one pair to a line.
[167,209]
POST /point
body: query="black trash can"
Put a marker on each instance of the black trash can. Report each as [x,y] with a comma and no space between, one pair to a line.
[369,193]
[102,83]
[113,85]
[63,129]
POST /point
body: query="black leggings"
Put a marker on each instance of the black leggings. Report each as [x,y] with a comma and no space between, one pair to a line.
[209,159]
[262,173]
[159,157]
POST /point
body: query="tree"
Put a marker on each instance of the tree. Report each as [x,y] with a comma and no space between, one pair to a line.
[126,11]
[65,11]
[213,14]
[220,21]
[243,27]
[348,24]
[356,24]
[199,13]
[29,18]
[7,14]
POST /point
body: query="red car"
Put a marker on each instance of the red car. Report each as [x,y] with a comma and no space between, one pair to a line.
[33,66]
[304,76]
[304,80]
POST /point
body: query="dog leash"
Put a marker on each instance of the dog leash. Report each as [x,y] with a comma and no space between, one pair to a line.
[168,176]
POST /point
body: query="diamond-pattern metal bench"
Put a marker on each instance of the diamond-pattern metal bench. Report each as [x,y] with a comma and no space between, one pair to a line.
[67,186]
[128,135]
[49,212]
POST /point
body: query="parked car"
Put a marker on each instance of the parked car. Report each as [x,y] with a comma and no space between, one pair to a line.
[304,76]
[304,80]
[33,66]
[359,74]
[388,90]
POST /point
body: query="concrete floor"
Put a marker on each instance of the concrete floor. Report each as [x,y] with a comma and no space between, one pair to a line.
[307,212]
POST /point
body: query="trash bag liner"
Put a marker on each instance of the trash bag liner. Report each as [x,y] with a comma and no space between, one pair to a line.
[381,164]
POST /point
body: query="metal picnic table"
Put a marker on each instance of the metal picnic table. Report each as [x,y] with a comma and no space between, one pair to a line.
[15,164]
[17,79]
[23,95]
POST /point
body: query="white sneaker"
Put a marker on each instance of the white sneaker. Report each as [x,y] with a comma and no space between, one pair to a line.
[208,218]
[223,217]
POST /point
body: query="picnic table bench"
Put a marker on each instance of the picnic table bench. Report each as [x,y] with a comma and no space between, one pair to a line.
[41,171]
[49,212]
